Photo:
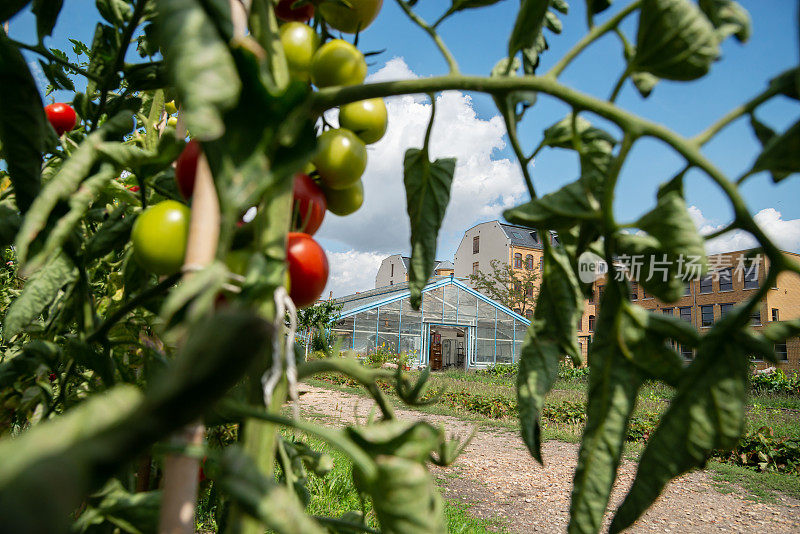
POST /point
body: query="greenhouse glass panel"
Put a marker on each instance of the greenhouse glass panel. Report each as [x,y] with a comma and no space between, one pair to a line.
[389,318]
[484,354]
[388,342]
[467,303]
[410,319]
[505,351]
[432,305]
[366,330]
[505,326]
[451,301]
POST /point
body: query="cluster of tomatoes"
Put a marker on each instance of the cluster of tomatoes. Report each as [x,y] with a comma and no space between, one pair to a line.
[332,181]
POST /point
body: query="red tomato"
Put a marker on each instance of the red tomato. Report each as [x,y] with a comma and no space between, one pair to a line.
[284,11]
[186,168]
[134,189]
[309,204]
[308,269]
[62,117]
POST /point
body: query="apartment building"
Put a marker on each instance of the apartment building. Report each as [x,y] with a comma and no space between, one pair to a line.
[394,270]
[732,279]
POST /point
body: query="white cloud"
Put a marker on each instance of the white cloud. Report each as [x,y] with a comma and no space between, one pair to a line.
[785,233]
[482,188]
[351,271]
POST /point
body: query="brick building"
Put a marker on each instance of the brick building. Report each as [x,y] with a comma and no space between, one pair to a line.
[732,278]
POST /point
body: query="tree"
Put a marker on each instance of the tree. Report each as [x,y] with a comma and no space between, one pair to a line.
[513,288]
[103,362]
[317,319]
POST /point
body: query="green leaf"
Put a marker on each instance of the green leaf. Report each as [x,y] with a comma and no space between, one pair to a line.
[23,125]
[79,204]
[597,6]
[461,5]
[412,441]
[39,290]
[427,192]
[706,414]
[550,337]
[728,17]
[113,234]
[781,154]
[563,134]
[9,8]
[528,26]
[146,76]
[671,249]
[115,12]
[552,22]
[199,66]
[613,386]
[65,182]
[136,513]
[787,83]
[10,221]
[644,83]
[675,40]
[46,12]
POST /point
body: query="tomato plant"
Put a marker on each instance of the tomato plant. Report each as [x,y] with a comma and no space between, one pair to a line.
[341,158]
[308,269]
[186,168]
[159,237]
[285,11]
[309,204]
[61,116]
[337,62]
[354,16]
[343,202]
[299,44]
[366,118]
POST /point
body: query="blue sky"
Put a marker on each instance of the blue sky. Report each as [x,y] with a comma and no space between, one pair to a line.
[478,38]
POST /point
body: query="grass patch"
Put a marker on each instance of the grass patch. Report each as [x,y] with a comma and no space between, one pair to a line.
[759,487]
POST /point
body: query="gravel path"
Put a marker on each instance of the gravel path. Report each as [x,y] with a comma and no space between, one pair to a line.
[497,478]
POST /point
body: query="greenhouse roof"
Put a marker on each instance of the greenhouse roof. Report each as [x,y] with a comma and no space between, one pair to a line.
[367,300]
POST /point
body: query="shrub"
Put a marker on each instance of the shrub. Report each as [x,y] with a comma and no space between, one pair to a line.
[760,450]
[775,382]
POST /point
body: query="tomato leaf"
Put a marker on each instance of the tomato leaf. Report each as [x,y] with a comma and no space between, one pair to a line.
[781,154]
[706,414]
[728,17]
[675,40]
[24,129]
[528,26]
[113,234]
[550,337]
[644,83]
[46,12]
[597,6]
[427,195]
[207,84]
[130,512]
[38,292]
[613,386]
[10,221]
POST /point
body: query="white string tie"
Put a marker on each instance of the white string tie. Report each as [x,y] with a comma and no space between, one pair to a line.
[271,377]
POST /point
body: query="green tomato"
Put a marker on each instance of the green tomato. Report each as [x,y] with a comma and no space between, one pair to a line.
[337,62]
[159,237]
[171,108]
[341,158]
[350,19]
[299,42]
[345,201]
[366,118]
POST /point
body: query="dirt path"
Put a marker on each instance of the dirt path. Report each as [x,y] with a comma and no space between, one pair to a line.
[498,479]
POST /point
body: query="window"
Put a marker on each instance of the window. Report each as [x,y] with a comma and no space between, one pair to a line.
[600,291]
[529,290]
[687,352]
[667,311]
[591,296]
[517,286]
[580,323]
[591,323]
[707,315]
[476,244]
[516,234]
[706,285]
[780,351]
[528,314]
[391,282]
[391,273]
[475,268]
[517,260]
[541,264]
[726,280]
[644,293]
[751,276]
[535,236]
[775,314]
[529,262]
[634,291]
[755,318]
[686,314]
[725,309]
[688,289]
[516,310]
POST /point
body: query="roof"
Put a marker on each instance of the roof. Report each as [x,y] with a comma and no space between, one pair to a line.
[436,264]
[367,300]
[521,236]
[445,265]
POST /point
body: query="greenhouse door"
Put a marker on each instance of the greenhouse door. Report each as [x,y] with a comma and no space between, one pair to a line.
[446,346]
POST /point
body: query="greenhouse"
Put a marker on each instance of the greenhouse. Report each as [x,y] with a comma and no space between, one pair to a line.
[456,326]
